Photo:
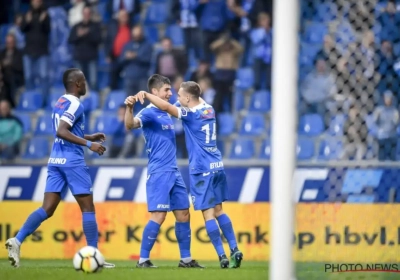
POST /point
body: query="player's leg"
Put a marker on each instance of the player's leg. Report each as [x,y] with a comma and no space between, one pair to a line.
[157,191]
[180,206]
[204,200]
[221,194]
[80,183]
[54,186]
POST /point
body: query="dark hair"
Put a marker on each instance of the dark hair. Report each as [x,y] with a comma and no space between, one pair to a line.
[192,88]
[68,77]
[157,81]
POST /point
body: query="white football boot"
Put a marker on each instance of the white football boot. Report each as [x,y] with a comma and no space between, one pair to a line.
[13,251]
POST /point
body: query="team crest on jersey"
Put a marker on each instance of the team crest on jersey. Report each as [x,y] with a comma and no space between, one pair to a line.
[184,112]
[82,126]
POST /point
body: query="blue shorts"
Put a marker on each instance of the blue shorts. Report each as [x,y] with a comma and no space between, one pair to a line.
[166,191]
[77,179]
[208,189]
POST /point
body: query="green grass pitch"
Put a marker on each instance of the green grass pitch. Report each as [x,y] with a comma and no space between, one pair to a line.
[61,269]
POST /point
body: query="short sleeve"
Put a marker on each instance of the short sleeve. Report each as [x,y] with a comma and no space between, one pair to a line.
[184,114]
[144,117]
[73,112]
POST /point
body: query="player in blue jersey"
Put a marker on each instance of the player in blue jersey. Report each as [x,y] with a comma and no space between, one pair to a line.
[66,166]
[208,185]
[165,188]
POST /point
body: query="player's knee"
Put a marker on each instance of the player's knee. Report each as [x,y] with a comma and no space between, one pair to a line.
[208,214]
[158,217]
[49,211]
[218,211]
[87,208]
[182,216]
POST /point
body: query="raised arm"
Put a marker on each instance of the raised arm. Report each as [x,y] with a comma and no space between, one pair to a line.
[162,104]
[130,121]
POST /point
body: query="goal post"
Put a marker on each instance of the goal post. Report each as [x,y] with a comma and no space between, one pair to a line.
[284,137]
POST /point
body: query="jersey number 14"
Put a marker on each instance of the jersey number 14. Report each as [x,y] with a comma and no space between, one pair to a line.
[206,128]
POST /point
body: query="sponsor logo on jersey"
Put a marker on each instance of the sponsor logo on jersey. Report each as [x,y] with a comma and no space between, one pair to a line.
[211,149]
[167,126]
[208,114]
[162,206]
[216,164]
[57,160]
[69,116]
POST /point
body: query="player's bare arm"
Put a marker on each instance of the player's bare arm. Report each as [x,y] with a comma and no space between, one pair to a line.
[96,137]
[130,121]
[158,102]
[64,133]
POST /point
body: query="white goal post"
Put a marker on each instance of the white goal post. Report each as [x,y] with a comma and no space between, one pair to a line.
[284,137]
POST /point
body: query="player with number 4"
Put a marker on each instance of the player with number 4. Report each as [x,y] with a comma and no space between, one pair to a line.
[208,186]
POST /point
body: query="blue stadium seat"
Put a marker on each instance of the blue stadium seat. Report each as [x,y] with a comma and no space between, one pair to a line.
[315,33]
[52,99]
[114,99]
[361,198]
[330,149]
[44,125]
[238,96]
[226,124]
[336,125]
[245,78]
[326,12]
[261,101]
[265,151]
[26,121]
[311,124]
[30,101]
[175,32]
[308,53]
[91,102]
[37,148]
[106,123]
[305,149]
[345,34]
[151,34]
[253,124]
[242,148]
[156,13]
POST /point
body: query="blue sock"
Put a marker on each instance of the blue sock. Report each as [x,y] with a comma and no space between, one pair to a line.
[149,237]
[227,229]
[90,228]
[215,236]
[31,224]
[183,235]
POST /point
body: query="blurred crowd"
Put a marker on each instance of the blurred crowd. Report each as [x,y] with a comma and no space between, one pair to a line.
[348,60]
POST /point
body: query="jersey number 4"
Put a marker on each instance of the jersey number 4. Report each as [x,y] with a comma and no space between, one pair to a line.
[206,128]
[56,119]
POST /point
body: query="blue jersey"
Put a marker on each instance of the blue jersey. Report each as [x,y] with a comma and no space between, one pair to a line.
[201,138]
[69,109]
[159,135]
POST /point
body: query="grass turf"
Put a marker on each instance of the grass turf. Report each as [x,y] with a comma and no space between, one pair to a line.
[61,269]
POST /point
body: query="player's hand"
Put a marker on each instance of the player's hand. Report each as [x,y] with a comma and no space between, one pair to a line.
[130,101]
[140,96]
[98,148]
[130,55]
[98,137]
